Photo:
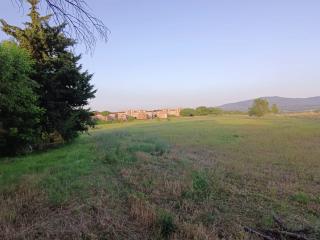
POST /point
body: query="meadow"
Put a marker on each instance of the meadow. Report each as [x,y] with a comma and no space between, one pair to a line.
[207,177]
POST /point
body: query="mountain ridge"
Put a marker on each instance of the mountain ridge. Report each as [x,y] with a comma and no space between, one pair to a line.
[285,104]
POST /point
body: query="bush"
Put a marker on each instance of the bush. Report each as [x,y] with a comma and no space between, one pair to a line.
[274,109]
[105,113]
[19,112]
[215,111]
[188,112]
[259,108]
[200,111]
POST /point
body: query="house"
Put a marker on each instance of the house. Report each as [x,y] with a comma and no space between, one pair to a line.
[111,117]
[162,114]
[121,116]
[151,114]
[174,112]
[99,116]
[142,116]
[139,114]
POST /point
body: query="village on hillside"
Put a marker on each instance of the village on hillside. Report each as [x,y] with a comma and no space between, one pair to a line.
[138,114]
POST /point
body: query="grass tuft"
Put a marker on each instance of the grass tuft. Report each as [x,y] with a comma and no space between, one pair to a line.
[166,224]
[300,197]
[200,185]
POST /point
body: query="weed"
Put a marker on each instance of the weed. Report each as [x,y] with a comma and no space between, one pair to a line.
[267,221]
[200,185]
[161,147]
[208,218]
[111,158]
[300,197]
[166,224]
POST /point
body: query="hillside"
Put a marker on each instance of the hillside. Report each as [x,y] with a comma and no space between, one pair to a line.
[285,104]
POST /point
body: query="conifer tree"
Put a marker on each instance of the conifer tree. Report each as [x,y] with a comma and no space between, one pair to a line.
[64,89]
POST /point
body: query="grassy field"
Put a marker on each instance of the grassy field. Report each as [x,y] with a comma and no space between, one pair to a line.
[185,178]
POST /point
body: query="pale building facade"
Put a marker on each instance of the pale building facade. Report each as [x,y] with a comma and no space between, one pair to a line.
[140,114]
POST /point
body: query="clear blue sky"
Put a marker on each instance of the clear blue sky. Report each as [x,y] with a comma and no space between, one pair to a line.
[169,53]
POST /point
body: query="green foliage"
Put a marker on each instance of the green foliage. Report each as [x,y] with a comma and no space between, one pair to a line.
[130,118]
[101,122]
[161,147]
[259,108]
[275,109]
[200,111]
[152,146]
[63,88]
[19,112]
[300,197]
[200,185]
[121,147]
[215,111]
[105,113]
[188,112]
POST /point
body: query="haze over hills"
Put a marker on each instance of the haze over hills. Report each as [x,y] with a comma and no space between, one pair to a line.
[285,104]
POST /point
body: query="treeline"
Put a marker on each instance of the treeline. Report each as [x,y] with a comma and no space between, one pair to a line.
[200,111]
[43,90]
[260,107]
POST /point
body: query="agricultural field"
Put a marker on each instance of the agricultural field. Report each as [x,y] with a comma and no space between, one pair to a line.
[211,177]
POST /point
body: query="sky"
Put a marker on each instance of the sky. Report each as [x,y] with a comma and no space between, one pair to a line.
[188,53]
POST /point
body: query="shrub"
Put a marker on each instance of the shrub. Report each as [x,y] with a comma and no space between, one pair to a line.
[200,111]
[105,113]
[215,111]
[275,109]
[19,112]
[188,112]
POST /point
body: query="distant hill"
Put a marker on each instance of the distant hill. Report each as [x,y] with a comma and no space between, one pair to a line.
[285,104]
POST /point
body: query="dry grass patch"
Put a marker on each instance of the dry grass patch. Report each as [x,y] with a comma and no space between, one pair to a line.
[194,232]
[142,211]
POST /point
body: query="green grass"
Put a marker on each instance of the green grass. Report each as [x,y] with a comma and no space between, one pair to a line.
[183,178]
